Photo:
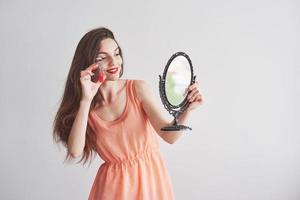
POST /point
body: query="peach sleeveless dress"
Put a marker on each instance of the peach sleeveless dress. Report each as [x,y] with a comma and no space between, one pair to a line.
[134,168]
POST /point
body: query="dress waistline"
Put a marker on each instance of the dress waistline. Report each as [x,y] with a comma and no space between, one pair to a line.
[137,157]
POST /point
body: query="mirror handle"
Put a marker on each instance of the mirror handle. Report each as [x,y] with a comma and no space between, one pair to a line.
[194,79]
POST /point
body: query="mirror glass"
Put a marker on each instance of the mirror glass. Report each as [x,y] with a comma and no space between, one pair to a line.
[178,79]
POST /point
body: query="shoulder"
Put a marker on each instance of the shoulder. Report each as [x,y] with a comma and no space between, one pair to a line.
[141,88]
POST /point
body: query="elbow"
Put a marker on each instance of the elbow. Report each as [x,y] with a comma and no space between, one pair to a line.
[75,154]
[73,151]
[170,137]
[171,141]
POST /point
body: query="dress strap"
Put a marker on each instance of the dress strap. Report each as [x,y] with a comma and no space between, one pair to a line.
[132,93]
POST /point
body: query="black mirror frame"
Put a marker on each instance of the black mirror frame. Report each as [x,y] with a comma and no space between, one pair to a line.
[174,110]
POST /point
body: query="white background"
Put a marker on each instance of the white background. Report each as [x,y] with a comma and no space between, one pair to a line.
[245,141]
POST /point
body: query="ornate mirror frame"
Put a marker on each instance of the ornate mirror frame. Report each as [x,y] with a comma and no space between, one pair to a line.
[174,110]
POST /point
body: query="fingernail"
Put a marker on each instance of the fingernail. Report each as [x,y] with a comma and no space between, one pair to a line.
[101,77]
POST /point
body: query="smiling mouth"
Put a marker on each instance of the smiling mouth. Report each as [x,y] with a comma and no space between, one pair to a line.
[112,70]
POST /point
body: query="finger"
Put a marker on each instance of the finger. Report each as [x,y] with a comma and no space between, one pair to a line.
[195,97]
[191,87]
[92,67]
[85,77]
[91,73]
[98,83]
[193,92]
[194,104]
[85,72]
[199,99]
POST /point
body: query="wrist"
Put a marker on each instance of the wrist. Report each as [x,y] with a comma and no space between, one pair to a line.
[85,101]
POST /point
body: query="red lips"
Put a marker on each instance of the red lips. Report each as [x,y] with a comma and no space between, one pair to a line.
[112,70]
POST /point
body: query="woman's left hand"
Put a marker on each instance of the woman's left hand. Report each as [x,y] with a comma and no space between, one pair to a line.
[194,96]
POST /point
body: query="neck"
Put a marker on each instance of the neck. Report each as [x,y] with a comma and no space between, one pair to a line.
[110,89]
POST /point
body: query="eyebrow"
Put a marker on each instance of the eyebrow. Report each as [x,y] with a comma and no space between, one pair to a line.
[106,53]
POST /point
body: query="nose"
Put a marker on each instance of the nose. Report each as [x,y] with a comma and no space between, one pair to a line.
[112,61]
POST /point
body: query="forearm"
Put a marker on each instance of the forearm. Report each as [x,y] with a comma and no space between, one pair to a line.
[76,140]
[172,136]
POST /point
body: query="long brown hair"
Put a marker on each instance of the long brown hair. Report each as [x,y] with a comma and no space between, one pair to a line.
[85,54]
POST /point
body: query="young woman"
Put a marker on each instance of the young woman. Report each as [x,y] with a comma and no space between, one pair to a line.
[117,119]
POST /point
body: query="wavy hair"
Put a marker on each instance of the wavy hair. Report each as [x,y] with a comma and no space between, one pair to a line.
[85,54]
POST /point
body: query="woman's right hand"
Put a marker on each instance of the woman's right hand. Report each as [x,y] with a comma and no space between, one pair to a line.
[89,88]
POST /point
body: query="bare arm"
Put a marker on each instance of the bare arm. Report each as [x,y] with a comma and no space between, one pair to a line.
[155,114]
[76,140]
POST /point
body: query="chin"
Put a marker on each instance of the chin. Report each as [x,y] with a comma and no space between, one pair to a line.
[113,78]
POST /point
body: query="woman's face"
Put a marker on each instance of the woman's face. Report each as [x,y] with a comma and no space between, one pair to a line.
[109,56]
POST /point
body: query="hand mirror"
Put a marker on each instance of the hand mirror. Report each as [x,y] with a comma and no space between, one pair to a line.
[177,77]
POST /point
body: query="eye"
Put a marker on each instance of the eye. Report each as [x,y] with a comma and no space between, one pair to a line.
[117,54]
[100,59]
